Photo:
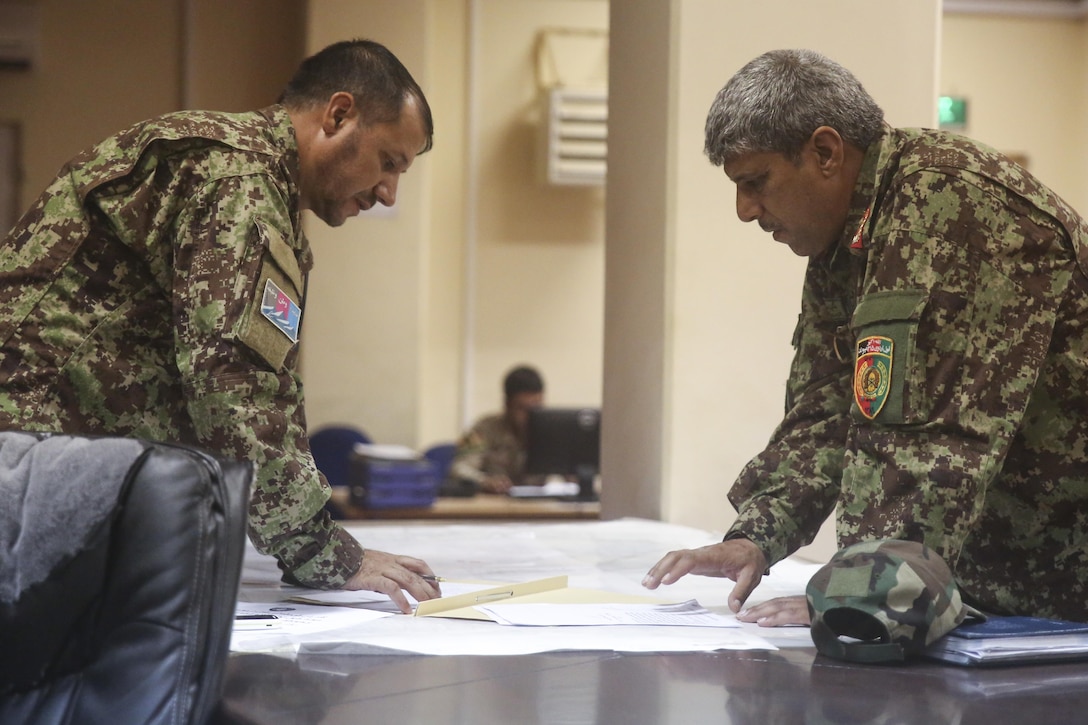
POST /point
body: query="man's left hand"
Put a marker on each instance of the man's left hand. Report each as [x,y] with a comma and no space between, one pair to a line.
[778,612]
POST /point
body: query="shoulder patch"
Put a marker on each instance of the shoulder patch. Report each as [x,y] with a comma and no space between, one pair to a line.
[280,310]
[872,374]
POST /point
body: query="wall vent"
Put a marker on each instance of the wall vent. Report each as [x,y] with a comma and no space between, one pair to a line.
[19,36]
[576,136]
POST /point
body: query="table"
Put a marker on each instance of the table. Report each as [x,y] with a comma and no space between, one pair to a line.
[487,506]
[790,684]
[754,688]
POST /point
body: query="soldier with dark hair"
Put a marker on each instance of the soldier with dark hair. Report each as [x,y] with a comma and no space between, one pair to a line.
[156,290]
[939,389]
[491,455]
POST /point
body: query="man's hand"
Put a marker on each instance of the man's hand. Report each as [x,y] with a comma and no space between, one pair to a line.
[389,574]
[778,612]
[496,484]
[736,559]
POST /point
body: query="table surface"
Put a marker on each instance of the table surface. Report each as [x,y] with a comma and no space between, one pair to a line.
[372,674]
[752,687]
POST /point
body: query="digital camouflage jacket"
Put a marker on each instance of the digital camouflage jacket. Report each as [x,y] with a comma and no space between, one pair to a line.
[155,290]
[939,389]
[492,448]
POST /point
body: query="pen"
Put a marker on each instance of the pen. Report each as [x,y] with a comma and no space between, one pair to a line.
[431,578]
[255,616]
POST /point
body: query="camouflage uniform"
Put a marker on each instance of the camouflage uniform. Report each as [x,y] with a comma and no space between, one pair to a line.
[939,390]
[131,304]
[491,448]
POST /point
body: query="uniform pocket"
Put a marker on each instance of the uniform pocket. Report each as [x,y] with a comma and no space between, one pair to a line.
[270,324]
[885,327]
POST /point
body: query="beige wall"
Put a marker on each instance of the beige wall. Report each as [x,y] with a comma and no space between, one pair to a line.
[97,75]
[365,307]
[538,249]
[1025,83]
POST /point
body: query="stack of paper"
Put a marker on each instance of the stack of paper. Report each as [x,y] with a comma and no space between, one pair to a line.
[684,614]
[540,602]
[1012,640]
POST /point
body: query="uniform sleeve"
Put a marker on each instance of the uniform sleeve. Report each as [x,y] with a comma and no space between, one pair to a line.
[784,494]
[468,461]
[964,281]
[237,367]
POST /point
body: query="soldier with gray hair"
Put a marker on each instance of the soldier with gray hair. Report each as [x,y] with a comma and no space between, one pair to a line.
[156,289]
[939,388]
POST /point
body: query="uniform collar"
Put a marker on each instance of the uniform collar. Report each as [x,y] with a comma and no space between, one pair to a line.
[856,231]
[282,135]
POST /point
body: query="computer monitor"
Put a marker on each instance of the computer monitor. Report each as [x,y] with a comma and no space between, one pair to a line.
[566,442]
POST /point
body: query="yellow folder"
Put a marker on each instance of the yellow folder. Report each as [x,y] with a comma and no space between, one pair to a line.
[553,590]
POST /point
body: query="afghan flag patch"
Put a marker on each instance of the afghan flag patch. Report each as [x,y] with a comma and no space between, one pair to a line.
[280,310]
[872,374]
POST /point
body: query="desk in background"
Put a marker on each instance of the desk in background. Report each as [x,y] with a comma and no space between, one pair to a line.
[495,507]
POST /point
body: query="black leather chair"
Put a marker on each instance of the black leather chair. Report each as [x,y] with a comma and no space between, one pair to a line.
[117,590]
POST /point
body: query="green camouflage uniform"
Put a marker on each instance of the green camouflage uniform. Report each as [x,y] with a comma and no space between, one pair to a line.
[491,448]
[131,304]
[939,390]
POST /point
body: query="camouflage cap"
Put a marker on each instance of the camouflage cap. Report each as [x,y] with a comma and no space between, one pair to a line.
[889,599]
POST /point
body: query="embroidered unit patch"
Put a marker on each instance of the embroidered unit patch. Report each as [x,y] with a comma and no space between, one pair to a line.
[872,374]
[280,310]
[858,242]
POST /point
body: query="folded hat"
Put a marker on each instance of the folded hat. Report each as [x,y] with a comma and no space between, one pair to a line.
[889,598]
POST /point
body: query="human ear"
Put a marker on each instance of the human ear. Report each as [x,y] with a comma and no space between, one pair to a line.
[828,146]
[338,111]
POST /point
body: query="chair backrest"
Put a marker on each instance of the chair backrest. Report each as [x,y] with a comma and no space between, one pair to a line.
[120,606]
[331,447]
[441,455]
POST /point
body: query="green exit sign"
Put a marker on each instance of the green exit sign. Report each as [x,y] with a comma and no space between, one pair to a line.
[952,112]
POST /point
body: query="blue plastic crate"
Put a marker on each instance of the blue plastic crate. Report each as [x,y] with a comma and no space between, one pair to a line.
[382,484]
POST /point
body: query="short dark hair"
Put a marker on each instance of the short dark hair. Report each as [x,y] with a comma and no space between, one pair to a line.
[522,379]
[376,79]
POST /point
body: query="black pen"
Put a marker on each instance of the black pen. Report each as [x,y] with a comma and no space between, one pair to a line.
[255,616]
[431,578]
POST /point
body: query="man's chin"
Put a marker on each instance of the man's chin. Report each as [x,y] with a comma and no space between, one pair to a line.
[808,250]
[795,247]
[333,218]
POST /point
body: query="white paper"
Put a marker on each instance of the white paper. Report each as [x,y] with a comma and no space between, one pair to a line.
[684,614]
[549,489]
[441,636]
[387,451]
[607,555]
[293,618]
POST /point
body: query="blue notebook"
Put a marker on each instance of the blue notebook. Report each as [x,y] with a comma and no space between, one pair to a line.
[1012,641]
[1017,627]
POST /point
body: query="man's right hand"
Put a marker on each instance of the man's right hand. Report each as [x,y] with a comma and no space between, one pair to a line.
[736,559]
[496,484]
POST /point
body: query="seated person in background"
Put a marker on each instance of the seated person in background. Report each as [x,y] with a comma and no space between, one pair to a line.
[939,390]
[491,455]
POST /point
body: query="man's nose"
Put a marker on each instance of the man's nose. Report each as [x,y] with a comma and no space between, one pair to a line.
[747,207]
[386,190]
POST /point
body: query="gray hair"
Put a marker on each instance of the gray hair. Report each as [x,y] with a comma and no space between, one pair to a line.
[776,101]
